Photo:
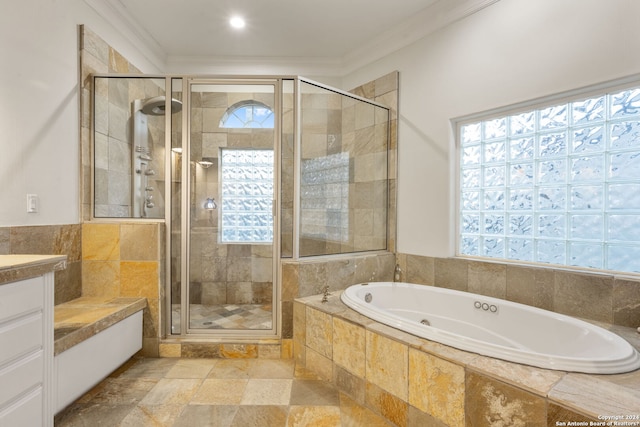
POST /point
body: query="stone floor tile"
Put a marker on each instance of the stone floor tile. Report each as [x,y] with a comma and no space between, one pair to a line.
[267,392]
[149,368]
[85,415]
[313,393]
[119,391]
[258,416]
[206,416]
[316,416]
[231,368]
[152,415]
[191,368]
[172,392]
[216,391]
[272,368]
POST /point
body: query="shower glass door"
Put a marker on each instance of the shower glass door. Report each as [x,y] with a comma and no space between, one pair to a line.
[228,286]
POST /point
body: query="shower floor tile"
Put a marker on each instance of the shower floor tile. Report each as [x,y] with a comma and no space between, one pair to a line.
[225,316]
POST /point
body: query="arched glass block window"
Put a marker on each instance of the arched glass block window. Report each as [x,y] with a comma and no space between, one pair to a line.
[248,115]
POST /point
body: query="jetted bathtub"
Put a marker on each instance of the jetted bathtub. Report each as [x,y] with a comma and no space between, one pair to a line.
[494,327]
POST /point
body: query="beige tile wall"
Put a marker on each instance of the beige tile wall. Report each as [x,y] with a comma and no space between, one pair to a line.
[605,297]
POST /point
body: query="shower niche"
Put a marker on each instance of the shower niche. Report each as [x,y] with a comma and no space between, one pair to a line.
[244,171]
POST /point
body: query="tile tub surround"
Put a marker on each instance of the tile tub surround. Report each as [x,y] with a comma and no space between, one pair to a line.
[411,381]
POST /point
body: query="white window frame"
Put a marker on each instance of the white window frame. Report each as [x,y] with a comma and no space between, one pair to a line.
[534,105]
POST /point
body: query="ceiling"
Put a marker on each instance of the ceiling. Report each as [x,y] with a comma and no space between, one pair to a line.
[331,31]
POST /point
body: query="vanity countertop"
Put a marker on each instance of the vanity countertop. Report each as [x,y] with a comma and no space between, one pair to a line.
[20,267]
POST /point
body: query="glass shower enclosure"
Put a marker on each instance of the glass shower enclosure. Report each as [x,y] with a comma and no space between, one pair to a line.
[244,171]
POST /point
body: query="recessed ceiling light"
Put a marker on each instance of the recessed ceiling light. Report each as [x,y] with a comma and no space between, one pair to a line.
[237,22]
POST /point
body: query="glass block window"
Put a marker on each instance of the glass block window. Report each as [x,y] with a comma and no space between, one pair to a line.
[248,114]
[558,184]
[247,196]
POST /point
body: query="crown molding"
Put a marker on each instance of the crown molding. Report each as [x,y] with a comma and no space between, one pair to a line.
[116,14]
[431,19]
[428,21]
[190,64]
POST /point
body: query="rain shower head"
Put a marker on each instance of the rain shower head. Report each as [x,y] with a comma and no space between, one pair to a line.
[155,106]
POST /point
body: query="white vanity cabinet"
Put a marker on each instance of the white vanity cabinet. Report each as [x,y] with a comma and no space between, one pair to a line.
[26,345]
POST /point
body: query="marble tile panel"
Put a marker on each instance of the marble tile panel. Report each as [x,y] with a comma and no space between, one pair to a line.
[530,286]
[349,384]
[289,281]
[268,351]
[152,415]
[201,350]
[560,416]
[626,302]
[349,346]
[536,380]
[317,416]
[170,350]
[101,278]
[595,395]
[437,387]
[206,416]
[488,279]
[100,242]
[119,391]
[139,279]
[451,273]
[492,403]
[318,364]
[191,368]
[319,332]
[418,269]
[93,414]
[231,368]
[238,351]
[387,364]
[270,368]
[286,349]
[313,393]
[172,392]
[588,296]
[139,242]
[353,414]
[416,417]
[267,392]
[386,83]
[386,404]
[148,368]
[260,415]
[216,391]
